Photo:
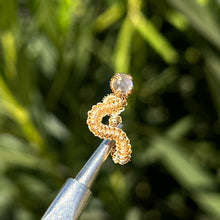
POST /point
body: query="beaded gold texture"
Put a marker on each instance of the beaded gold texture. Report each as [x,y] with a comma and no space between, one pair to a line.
[112,105]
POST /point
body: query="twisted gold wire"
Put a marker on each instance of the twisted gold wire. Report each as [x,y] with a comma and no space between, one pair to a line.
[112,105]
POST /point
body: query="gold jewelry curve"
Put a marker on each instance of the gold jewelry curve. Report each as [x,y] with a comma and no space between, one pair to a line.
[112,105]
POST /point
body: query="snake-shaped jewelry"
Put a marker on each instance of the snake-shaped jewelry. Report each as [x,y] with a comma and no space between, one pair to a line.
[112,105]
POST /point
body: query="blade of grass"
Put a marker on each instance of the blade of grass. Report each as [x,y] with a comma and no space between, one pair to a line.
[201,18]
[10,55]
[179,129]
[8,12]
[122,51]
[213,78]
[187,172]
[8,193]
[149,32]
[210,202]
[176,19]
[158,83]
[19,158]
[109,17]
[21,115]
[66,11]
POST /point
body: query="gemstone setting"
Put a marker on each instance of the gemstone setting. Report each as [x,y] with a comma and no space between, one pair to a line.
[122,84]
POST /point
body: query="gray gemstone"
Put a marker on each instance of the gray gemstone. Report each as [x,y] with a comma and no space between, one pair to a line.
[123,83]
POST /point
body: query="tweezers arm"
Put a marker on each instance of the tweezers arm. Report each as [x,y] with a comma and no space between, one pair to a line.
[89,172]
[69,203]
[74,195]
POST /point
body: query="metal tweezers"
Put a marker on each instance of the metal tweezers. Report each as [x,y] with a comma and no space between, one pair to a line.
[74,195]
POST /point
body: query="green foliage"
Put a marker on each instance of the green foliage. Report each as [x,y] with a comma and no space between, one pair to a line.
[56,59]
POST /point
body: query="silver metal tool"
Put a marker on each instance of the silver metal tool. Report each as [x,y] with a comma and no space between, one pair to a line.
[74,195]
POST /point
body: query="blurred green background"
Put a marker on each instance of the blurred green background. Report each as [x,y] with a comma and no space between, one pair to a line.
[56,60]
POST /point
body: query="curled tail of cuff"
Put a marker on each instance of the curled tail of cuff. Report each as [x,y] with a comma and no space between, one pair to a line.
[111,106]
